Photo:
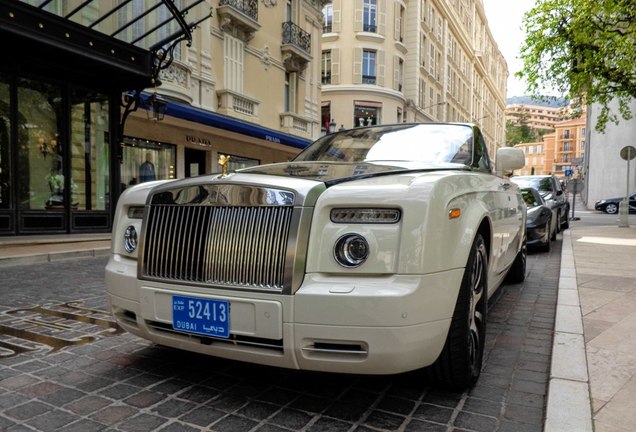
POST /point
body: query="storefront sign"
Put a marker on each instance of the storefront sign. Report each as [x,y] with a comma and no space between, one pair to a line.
[198,140]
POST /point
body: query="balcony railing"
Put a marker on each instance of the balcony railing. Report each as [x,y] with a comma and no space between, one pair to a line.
[327,28]
[296,47]
[294,35]
[241,15]
[326,78]
[368,79]
[237,105]
[371,28]
[247,7]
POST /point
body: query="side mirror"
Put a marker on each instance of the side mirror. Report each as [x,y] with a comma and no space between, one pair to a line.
[509,159]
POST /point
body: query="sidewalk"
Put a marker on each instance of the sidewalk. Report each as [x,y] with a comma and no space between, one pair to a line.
[605,259]
[34,249]
[593,374]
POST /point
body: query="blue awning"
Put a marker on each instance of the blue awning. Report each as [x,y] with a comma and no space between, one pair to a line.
[197,115]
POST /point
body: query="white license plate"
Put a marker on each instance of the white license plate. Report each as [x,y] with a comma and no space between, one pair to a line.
[201,316]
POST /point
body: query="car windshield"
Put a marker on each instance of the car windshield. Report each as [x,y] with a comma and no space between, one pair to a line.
[542,184]
[529,197]
[427,143]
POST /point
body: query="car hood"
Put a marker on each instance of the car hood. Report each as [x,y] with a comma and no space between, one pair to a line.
[332,173]
[290,183]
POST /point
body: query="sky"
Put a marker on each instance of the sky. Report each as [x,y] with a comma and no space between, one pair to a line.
[504,19]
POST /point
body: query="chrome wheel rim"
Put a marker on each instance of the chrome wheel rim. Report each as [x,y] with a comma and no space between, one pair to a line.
[475,310]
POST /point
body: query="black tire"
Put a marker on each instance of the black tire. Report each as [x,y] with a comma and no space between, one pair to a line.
[558,224]
[459,364]
[553,233]
[545,247]
[566,220]
[517,272]
[611,208]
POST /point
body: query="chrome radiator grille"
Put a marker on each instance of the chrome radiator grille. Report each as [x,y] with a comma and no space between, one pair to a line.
[239,246]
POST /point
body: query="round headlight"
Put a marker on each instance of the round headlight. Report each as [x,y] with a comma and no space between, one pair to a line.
[351,250]
[130,239]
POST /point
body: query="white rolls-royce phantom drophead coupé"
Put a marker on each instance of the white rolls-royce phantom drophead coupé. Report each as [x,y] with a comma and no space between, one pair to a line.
[374,251]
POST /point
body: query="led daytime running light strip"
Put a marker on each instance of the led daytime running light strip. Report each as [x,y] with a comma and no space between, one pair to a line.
[365,215]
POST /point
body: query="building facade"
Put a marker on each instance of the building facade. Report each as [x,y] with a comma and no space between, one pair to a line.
[536,117]
[392,61]
[535,156]
[561,152]
[78,122]
[248,87]
[605,173]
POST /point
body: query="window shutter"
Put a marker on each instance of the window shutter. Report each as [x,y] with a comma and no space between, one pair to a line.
[357,17]
[380,68]
[233,69]
[293,83]
[396,31]
[396,73]
[336,25]
[335,66]
[357,65]
[381,17]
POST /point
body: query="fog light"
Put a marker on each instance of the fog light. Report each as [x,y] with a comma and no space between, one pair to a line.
[351,250]
[130,239]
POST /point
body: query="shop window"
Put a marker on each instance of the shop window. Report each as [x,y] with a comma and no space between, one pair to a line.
[5,144]
[325,116]
[145,160]
[90,155]
[366,113]
[41,178]
[239,162]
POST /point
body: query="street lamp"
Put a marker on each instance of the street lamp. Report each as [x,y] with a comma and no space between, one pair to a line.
[433,105]
[332,128]
[156,107]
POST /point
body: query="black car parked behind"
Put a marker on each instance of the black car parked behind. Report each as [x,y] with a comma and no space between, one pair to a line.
[550,189]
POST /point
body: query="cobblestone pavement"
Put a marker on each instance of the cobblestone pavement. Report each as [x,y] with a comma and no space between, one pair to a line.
[63,365]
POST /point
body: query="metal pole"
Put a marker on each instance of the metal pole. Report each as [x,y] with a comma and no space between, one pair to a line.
[624,205]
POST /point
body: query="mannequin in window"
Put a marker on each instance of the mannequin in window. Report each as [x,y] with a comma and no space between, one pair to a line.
[147,169]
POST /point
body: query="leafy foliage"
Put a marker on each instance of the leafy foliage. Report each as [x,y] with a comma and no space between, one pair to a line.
[517,133]
[583,49]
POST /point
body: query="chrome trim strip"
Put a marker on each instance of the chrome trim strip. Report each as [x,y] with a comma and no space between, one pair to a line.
[334,351]
[222,194]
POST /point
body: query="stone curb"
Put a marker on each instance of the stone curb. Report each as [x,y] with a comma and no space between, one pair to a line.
[36,258]
[569,404]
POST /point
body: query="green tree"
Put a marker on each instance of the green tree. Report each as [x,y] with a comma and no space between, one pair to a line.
[584,49]
[518,131]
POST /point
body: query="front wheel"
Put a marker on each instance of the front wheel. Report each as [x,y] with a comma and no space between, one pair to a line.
[517,272]
[459,364]
[611,208]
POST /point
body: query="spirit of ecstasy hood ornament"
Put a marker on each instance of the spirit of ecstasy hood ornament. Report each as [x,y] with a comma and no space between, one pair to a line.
[223,161]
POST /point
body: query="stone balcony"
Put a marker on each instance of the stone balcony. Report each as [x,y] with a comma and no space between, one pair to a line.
[296,47]
[241,15]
